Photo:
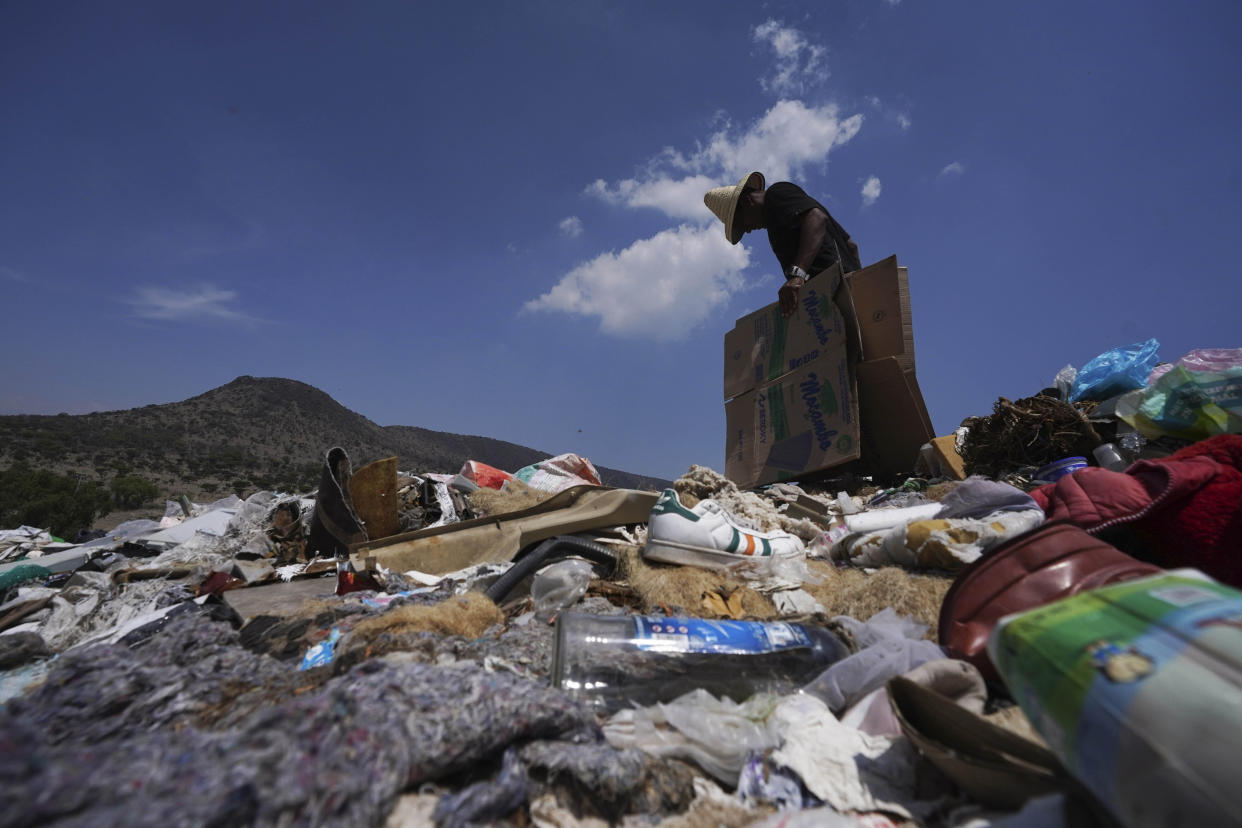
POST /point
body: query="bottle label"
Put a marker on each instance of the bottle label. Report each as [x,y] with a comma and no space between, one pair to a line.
[698,635]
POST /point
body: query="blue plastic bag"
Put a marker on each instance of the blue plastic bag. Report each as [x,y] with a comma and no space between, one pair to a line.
[1116,372]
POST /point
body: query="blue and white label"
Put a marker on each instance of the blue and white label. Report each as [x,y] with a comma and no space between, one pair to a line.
[698,635]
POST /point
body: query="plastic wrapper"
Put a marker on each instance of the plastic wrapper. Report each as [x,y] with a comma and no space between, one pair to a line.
[560,586]
[716,734]
[765,783]
[1116,371]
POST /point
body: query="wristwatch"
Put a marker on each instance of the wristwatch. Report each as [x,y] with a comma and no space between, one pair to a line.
[796,272]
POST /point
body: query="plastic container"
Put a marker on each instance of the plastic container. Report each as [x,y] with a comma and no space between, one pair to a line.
[1110,457]
[1055,471]
[560,586]
[1137,687]
[612,661]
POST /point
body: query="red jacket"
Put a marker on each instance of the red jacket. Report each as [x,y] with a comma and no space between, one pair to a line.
[1187,507]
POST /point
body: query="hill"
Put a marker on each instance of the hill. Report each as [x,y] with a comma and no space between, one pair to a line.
[252,433]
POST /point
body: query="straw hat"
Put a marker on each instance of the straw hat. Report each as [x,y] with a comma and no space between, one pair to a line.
[723,202]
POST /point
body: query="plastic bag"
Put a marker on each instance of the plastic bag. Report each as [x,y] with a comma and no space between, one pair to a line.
[1189,405]
[559,473]
[1201,359]
[1116,372]
[716,734]
[1064,381]
[484,475]
[560,586]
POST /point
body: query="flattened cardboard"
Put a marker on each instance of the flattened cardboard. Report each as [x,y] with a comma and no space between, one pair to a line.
[804,421]
[881,297]
[895,424]
[944,452]
[764,346]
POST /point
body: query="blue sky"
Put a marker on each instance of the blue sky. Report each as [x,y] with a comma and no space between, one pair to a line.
[488,218]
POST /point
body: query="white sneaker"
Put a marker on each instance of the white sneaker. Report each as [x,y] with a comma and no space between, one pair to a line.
[709,536]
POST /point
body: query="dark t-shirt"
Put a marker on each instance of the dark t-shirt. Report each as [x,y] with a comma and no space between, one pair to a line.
[784,206]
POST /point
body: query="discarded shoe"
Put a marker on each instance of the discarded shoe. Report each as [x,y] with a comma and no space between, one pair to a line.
[709,536]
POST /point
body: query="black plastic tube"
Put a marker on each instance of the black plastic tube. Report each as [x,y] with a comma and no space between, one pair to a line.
[601,557]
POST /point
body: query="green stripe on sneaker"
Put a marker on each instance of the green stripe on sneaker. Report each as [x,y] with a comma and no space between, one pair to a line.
[735,543]
[767,547]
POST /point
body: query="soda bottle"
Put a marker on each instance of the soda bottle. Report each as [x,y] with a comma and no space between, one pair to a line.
[613,661]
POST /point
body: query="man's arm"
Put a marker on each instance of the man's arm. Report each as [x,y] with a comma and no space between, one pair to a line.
[814,227]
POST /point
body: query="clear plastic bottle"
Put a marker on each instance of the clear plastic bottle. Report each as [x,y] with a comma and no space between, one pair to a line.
[612,661]
[1109,457]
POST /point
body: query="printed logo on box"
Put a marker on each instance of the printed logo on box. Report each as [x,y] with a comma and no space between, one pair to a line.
[821,402]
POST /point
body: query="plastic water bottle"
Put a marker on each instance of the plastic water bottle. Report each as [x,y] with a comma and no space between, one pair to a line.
[612,661]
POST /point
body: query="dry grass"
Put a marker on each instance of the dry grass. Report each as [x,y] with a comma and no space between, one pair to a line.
[682,587]
[467,615]
[515,497]
[850,592]
[854,593]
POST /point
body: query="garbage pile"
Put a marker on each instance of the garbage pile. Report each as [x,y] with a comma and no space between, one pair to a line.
[1052,638]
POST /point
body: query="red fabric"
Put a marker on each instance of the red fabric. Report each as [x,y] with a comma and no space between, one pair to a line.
[1187,507]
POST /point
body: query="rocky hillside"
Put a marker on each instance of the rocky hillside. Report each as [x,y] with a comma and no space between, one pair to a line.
[253,433]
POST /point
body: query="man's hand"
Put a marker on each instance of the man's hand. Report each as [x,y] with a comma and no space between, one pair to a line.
[788,296]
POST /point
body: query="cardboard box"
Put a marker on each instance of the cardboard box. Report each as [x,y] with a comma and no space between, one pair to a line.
[856,329]
[764,346]
[806,420]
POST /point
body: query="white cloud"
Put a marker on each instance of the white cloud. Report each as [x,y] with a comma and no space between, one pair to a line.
[903,120]
[571,226]
[658,288]
[788,137]
[798,62]
[680,198]
[203,303]
[956,168]
[870,191]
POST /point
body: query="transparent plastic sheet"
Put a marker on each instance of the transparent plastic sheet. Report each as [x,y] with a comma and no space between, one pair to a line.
[1064,381]
[123,533]
[716,734]
[87,609]
[559,586]
[1116,371]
